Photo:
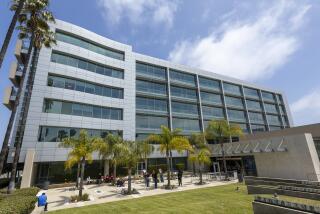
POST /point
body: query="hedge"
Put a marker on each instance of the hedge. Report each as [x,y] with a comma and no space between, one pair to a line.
[21,201]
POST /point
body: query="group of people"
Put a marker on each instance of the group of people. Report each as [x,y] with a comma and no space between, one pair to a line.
[154,175]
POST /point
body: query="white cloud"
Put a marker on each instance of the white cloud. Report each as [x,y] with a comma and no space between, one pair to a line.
[306,110]
[139,11]
[248,49]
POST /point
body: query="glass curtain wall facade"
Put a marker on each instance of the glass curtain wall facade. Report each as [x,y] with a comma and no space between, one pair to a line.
[178,99]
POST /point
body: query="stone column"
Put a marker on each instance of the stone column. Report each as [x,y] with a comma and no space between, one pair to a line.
[27,169]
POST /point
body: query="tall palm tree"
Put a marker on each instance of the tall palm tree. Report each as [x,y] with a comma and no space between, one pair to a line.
[34,26]
[82,149]
[110,150]
[169,141]
[221,130]
[17,8]
[197,141]
[202,157]
[147,150]
[130,154]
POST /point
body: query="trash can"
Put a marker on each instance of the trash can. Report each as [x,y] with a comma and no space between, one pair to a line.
[46,185]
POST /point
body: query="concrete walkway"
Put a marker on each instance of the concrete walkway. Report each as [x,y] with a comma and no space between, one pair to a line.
[59,198]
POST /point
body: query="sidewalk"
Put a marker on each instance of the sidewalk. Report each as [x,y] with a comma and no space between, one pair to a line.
[59,198]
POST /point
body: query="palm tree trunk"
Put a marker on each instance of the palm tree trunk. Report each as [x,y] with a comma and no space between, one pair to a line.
[26,101]
[194,168]
[114,170]
[168,168]
[146,164]
[78,173]
[200,172]
[171,165]
[223,158]
[129,181]
[10,31]
[83,162]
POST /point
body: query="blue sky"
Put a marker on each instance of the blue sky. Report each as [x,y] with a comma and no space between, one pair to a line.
[274,43]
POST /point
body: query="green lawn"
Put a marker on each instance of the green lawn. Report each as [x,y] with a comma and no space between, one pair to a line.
[222,199]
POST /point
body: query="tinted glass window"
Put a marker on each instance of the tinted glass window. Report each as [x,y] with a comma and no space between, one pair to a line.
[249,92]
[236,115]
[182,77]
[209,83]
[231,89]
[234,102]
[184,108]
[211,98]
[183,92]
[151,71]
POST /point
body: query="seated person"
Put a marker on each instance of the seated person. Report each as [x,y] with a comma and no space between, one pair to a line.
[89,181]
[42,201]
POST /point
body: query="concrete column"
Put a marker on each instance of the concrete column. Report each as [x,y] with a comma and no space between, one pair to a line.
[106,168]
[27,169]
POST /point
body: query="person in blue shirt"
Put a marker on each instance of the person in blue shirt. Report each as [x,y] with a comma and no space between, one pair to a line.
[42,201]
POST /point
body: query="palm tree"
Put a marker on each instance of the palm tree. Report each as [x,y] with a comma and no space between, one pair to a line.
[170,140]
[16,7]
[197,141]
[220,130]
[110,150]
[147,150]
[82,149]
[130,154]
[34,26]
[201,156]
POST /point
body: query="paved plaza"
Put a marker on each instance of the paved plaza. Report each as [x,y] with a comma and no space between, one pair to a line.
[58,198]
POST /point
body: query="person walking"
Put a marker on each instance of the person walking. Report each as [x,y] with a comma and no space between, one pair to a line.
[161,175]
[180,177]
[155,178]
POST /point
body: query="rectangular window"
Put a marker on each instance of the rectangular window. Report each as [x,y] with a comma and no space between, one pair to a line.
[151,104]
[186,125]
[150,122]
[210,98]
[212,112]
[57,134]
[253,105]
[231,88]
[273,120]
[271,108]
[84,86]
[209,84]
[150,87]
[256,118]
[250,92]
[85,64]
[268,96]
[234,102]
[183,92]
[74,40]
[184,108]
[235,115]
[182,77]
[85,110]
[151,71]
[258,128]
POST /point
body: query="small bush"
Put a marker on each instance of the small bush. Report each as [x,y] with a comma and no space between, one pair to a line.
[21,201]
[180,166]
[75,198]
[4,182]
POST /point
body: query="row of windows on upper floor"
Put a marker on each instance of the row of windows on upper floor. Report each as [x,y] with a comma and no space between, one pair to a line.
[85,110]
[153,123]
[84,43]
[84,86]
[57,134]
[156,106]
[86,65]
[205,83]
[207,97]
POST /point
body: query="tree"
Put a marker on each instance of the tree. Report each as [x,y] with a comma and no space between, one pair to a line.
[202,157]
[197,141]
[82,149]
[147,149]
[33,25]
[110,150]
[131,153]
[170,140]
[16,7]
[221,130]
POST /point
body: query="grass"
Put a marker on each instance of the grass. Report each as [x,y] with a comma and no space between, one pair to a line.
[218,200]
[222,199]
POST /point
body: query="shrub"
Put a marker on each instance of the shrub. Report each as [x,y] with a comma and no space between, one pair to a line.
[180,166]
[4,182]
[75,198]
[21,201]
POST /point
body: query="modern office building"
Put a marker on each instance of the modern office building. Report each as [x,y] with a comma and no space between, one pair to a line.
[90,82]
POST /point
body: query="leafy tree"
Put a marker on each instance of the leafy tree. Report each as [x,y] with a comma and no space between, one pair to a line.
[109,150]
[34,26]
[147,150]
[82,149]
[169,141]
[131,153]
[16,7]
[197,141]
[202,157]
[220,130]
